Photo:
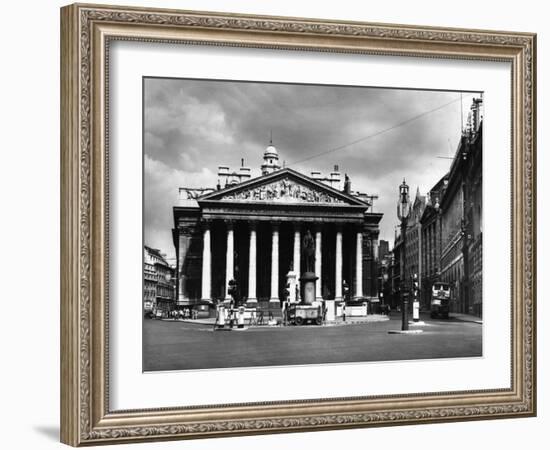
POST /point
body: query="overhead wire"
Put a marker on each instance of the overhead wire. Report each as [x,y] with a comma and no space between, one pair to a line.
[378,133]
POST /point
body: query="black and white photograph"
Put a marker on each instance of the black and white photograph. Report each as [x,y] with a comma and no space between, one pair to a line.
[297,224]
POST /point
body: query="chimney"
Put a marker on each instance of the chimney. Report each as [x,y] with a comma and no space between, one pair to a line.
[335,177]
[244,173]
[223,173]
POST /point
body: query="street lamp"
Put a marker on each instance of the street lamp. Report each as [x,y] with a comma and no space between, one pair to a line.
[403,211]
[385,277]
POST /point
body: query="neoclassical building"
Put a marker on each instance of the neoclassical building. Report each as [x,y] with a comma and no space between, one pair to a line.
[251,229]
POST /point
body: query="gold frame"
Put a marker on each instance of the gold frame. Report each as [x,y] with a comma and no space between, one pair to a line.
[86,31]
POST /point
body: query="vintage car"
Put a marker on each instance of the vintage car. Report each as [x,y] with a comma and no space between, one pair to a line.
[298,314]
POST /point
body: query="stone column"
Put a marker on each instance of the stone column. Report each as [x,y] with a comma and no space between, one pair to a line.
[184,241]
[274,263]
[206,263]
[229,258]
[338,274]
[252,264]
[296,261]
[318,265]
[359,264]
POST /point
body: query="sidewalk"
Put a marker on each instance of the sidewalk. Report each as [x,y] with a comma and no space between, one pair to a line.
[465,318]
[355,320]
[338,322]
[206,321]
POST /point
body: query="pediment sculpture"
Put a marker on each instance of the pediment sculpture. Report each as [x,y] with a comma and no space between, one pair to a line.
[284,191]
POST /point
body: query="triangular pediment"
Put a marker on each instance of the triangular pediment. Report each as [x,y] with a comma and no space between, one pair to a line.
[284,186]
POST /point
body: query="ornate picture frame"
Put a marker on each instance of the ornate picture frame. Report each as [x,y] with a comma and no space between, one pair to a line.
[86,34]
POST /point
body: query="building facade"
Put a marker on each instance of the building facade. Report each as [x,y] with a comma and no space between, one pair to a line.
[431,240]
[385,260]
[413,244]
[149,282]
[461,221]
[444,229]
[395,271]
[473,210]
[159,289]
[251,230]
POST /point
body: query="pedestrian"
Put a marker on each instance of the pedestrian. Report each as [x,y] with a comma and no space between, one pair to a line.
[344,311]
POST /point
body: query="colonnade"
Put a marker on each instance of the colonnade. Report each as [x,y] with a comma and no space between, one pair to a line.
[206,284]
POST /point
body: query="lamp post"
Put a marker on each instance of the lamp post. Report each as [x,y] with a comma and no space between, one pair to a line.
[403,211]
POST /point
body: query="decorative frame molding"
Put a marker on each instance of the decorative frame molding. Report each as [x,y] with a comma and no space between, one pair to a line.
[86,31]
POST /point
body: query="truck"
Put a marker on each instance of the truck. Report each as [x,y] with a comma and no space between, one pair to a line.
[148,309]
[440,300]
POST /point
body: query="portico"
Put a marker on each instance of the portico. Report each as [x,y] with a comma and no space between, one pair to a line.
[252,232]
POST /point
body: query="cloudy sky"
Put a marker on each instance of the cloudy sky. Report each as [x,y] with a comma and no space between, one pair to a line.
[377,136]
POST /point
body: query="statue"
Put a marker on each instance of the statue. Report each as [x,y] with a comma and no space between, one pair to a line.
[347,184]
[308,246]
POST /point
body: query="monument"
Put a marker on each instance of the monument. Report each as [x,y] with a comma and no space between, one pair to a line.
[308,278]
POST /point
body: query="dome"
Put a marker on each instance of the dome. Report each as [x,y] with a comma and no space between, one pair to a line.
[271,159]
[271,151]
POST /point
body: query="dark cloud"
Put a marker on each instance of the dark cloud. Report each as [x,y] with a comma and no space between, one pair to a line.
[192,126]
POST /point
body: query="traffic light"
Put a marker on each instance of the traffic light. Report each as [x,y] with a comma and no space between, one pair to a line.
[416,304]
[345,289]
[232,289]
[286,292]
[415,285]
